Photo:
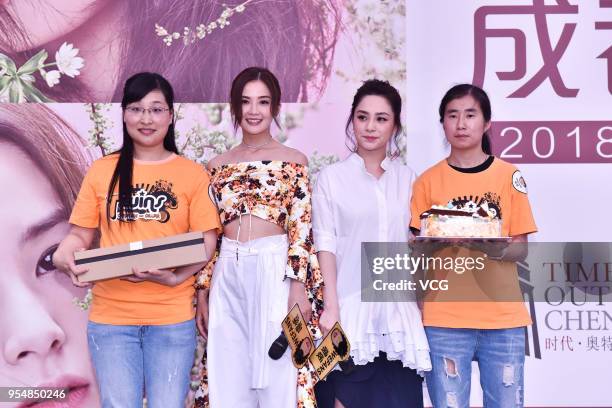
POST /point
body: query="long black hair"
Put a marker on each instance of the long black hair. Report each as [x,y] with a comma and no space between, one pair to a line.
[136,88]
[342,346]
[387,91]
[298,355]
[461,90]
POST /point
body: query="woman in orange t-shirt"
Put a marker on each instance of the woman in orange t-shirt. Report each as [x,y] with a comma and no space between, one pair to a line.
[141,331]
[485,324]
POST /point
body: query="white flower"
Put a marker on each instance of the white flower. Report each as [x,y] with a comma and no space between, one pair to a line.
[67,61]
[52,78]
[202,30]
[161,31]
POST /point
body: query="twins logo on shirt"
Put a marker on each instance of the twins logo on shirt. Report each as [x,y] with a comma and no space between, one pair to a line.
[149,203]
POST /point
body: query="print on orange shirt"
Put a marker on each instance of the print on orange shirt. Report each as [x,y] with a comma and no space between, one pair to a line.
[489,201]
[149,203]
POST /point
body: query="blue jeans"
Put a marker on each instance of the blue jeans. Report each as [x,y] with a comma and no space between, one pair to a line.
[500,354]
[131,359]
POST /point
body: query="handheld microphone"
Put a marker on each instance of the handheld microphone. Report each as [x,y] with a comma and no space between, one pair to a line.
[278,347]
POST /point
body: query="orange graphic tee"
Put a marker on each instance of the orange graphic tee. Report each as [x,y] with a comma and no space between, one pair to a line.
[169,197]
[502,187]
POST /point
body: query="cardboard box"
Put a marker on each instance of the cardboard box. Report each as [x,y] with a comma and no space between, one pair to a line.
[162,253]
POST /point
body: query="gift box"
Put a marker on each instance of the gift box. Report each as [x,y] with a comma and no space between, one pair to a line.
[161,253]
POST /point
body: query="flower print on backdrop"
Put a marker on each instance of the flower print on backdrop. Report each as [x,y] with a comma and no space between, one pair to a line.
[18,85]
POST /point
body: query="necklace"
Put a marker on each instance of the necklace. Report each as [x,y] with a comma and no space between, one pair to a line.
[250,146]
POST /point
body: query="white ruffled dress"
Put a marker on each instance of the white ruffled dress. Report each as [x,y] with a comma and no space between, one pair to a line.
[350,206]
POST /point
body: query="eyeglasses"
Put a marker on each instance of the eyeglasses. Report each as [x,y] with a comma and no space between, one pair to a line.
[156,112]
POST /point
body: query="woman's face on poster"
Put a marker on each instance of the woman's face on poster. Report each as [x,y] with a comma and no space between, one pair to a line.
[43,21]
[306,346]
[336,337]
[42,332]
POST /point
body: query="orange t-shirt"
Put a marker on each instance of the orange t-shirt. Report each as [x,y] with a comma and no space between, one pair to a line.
[501,185]
[169,197]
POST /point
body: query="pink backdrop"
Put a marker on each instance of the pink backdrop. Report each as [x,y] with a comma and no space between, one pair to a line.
[546,66]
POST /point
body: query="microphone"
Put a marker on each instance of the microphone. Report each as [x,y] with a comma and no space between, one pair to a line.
[278,347]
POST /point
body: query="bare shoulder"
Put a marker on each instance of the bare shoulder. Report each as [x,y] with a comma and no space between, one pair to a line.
[223,158]
[295,156]
[214,162]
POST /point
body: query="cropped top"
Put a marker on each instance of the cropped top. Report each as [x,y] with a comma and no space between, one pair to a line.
[272,190]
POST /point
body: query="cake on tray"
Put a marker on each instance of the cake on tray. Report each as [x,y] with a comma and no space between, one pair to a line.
[478,222]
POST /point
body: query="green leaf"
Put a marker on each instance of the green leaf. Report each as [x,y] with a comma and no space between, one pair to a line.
[16,91]
[5,81]
[34,95]
[8,64]
[32,64]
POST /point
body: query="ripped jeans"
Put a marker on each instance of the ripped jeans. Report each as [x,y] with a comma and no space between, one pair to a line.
[500,354]
[130,359]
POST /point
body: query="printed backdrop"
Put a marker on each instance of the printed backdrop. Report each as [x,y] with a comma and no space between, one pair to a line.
[545,64]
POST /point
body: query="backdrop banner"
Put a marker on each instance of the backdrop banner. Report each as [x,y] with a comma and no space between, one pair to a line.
[546,65]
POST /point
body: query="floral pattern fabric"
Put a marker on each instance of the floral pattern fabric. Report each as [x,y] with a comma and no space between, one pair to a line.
[278,192]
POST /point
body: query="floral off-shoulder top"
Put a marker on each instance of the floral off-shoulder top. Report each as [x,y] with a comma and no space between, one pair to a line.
[275,191]
[279,192]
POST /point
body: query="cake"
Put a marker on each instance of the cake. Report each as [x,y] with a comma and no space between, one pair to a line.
[474,221]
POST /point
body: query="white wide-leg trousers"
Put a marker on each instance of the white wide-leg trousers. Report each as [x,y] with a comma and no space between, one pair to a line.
[248,301]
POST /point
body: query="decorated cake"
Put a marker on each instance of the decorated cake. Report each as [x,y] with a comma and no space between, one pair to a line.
[468,221]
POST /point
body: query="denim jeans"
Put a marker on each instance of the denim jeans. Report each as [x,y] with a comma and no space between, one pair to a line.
[500,354]
[131,359]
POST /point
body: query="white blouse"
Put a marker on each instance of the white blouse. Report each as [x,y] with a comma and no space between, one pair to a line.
[351,206]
